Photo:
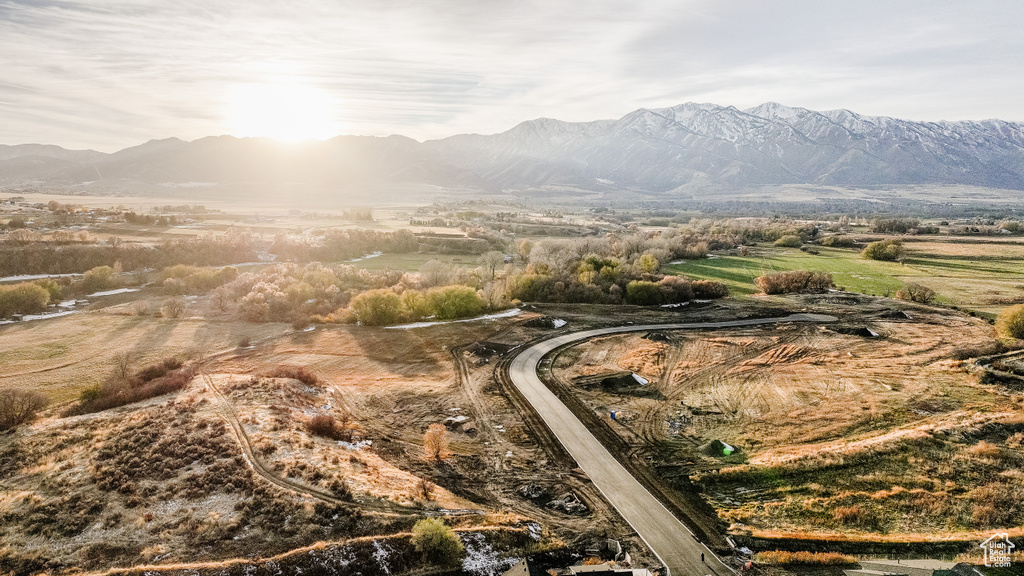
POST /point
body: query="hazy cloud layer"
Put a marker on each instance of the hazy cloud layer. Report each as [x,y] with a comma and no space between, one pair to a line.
[109,74]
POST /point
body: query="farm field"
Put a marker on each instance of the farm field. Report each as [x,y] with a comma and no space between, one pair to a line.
[837,436]
[981,276]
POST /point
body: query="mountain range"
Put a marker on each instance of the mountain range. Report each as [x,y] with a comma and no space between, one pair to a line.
[649,150]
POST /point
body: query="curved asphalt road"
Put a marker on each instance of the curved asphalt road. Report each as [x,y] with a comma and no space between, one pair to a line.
[666,536]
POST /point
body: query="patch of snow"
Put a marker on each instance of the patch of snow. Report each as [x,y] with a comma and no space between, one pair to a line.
[456,419]
[309,329]
[481,558]
[366,257]
[640,379]
[381,553]
[31,317]
[355,445]
[558,323]
[535,531]
[505,314]
[112,292]
[676,305]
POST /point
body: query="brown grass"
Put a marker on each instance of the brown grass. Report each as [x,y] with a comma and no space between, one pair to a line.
[783,558]
[300,373]
[63,356]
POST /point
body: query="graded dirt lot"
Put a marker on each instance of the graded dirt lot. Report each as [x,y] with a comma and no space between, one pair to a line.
[834,430]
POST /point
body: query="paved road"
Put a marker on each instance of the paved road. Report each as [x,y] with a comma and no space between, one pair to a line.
[666,536]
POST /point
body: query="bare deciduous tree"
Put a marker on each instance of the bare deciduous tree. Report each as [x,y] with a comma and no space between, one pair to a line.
[222,297]
[139,308]
[122,365]
[19,407]
[435,442]
[492,260]
[173,307]
[425,489]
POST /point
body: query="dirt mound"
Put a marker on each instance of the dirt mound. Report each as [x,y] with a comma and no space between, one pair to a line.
[895,315]
[862,331]
[718,449]
[542,322]
[488,349]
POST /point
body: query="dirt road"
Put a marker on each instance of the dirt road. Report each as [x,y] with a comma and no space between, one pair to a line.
[664,534]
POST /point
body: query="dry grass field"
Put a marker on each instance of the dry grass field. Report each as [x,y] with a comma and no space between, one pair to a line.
[838,435]
[63,356]
[168,480]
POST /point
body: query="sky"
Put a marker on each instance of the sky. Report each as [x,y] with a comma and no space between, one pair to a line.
[108,74]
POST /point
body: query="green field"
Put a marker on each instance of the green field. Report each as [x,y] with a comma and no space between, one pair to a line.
[984,284]
[412,262]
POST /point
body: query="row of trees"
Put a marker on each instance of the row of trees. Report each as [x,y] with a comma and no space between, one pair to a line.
[794,281]
[382,307]
[49,258]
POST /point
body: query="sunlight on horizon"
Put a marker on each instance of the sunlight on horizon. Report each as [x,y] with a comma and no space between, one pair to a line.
[288,112]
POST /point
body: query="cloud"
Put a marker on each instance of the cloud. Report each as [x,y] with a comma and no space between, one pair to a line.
[114,73]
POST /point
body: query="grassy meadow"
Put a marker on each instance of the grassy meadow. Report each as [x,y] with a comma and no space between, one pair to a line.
[977,275]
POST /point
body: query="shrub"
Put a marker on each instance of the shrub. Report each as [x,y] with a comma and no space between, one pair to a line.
[884,250]
[1010,322]
[173,307]
[326,426]
[157,370]
[649,263]
[437,542]
[794,281]
[837,241]
[783,558]
[377,307]
[435,442]
[709,289]
[916,293]
[894,225]
[299,373]
[23,298]
[789,241]
[644,293]
[450,302]
[676,289]
[117,392]
[98,279]
[19,407]
[184,279]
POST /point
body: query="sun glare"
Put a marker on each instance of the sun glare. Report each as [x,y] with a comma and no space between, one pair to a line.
[287,112]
